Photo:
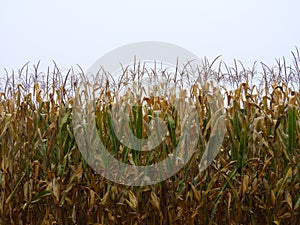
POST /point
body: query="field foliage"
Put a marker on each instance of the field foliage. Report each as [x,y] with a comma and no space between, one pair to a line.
[255,178]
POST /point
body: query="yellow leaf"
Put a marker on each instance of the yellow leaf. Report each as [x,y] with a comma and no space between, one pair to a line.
[155,200]
[132,202]
[55,189]
[273,197]
[196,193]
[245,184]
[288,199]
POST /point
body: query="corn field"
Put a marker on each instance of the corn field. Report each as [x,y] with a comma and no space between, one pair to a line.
[254,179]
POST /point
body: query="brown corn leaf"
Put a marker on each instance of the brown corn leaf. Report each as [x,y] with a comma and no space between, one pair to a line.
[132,202]
[196,193]
[245,184]
[154,200]
[273,198]
[288,200]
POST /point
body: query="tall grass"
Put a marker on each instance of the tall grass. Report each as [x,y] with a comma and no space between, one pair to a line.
[253,180]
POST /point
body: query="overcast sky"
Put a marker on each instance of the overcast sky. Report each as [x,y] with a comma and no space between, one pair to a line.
[79,32]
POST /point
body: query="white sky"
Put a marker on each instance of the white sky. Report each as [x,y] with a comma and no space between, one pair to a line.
[79,32]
